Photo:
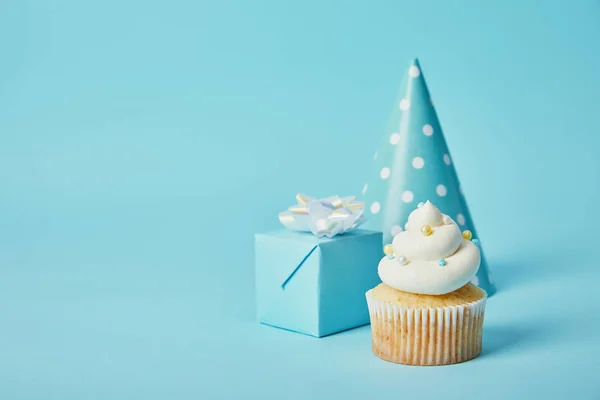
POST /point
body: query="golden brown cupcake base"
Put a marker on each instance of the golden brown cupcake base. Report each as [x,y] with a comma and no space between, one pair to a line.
[417,329]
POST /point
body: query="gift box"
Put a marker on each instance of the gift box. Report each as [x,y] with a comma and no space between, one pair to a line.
[315,285]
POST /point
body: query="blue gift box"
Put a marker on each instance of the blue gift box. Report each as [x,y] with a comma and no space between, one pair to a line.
[316,286]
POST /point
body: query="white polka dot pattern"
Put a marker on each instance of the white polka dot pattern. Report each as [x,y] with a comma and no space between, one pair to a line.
[385,173]
[396,229]
[407,196]
[441,190]
[414,71]
[427,130]
[418,162]
[413,165]
[375,207]
[447,159]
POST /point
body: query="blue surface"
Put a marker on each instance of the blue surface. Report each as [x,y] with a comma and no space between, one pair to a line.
[143,145]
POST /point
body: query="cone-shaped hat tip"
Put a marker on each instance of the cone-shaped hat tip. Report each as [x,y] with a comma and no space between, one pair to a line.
[414,68]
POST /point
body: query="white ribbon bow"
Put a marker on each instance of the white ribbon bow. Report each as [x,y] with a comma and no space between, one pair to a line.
[325,217]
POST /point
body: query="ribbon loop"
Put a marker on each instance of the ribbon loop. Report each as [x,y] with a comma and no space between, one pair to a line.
[330,216]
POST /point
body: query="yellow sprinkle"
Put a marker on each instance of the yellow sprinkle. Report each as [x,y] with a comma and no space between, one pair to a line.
[467,234]
[388,249]
[426,230]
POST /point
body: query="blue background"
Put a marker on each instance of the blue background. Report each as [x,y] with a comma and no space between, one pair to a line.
[144,143]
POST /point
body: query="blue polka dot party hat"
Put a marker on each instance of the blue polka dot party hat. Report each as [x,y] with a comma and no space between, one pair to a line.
[413,165]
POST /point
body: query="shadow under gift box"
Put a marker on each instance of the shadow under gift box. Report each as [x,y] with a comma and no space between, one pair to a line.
[315,286]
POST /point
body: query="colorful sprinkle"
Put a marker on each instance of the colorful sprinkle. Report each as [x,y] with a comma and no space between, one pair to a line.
[388,249]
[421,204]
[389,256]
[467,234]
[447,220]
[442,263]
[426,230]
[402,260]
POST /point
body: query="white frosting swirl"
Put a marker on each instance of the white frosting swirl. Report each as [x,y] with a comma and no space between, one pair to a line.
[422,254]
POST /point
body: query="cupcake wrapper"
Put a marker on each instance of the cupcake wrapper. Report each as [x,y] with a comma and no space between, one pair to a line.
[426,336]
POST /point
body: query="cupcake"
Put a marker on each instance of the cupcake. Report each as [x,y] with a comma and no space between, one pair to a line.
[426,311]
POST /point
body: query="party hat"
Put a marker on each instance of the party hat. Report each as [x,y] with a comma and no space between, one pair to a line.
[413,165]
